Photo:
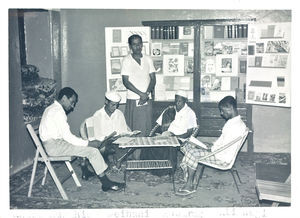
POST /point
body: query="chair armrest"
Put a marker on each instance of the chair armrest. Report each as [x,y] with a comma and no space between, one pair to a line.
[154,130]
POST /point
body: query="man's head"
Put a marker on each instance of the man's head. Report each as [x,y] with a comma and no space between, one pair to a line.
[68,98]
[112,100]
[228,107]
[136,44]
[181,98]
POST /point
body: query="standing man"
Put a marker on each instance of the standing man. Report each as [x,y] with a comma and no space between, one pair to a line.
[59,141]
[138,75]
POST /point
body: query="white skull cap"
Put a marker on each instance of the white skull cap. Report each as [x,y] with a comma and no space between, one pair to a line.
[113,96]
[182,93]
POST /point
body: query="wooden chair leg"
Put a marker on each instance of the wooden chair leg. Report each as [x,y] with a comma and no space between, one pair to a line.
[70,168]
[33,173]
[57,182]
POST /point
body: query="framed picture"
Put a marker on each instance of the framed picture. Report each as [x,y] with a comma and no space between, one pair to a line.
[115,51]
[115,66]
[156,49]
[173,65]
[227,65]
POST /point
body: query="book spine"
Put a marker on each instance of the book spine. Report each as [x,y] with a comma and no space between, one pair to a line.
[152,32]
[229,31]
[240,31]
[168,33]
[176,32]
[235,31]
[161,32]
[173,32]
[245,31]
[225,32]
[157,32]
[165,32]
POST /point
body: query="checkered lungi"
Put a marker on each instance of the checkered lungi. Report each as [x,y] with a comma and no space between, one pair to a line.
[191,156]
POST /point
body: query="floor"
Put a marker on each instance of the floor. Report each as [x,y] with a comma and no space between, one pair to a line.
[144,190]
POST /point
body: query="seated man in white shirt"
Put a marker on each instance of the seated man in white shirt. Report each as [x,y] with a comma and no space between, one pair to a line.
[107,123]
[182,125]
[233,128]
[58,140]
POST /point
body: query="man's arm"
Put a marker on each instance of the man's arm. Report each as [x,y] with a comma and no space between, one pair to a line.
[188,133]
[143,95]
[152,83]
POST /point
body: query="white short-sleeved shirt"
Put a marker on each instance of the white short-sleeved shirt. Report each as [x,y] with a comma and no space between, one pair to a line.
[138,74]
[184,119]
[54,126]
[104,125]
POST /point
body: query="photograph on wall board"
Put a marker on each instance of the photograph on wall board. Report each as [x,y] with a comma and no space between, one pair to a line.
[156,49]
[173,65]
[227,65]
[116,85]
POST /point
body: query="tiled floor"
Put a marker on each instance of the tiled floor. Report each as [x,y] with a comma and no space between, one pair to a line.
[145,190]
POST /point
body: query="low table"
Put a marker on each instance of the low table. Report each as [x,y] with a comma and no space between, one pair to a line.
[273,183]
[144,142]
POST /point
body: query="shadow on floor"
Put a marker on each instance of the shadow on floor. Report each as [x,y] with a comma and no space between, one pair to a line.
[144,190]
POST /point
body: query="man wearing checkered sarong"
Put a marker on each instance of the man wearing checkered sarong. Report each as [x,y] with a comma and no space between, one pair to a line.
[233,128]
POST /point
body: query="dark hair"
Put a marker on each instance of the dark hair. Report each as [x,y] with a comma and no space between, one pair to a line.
[67,91]
[134,36]
[228,102]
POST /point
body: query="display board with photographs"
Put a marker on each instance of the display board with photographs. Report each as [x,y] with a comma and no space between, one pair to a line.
[269,64]
[223,61]
[116,43]
[174,63]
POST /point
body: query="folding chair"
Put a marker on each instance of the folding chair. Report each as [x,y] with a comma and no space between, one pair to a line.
[42,156]
[210,161]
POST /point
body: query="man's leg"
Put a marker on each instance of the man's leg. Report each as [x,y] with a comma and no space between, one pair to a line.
[190,162]
[189,184]
[61,148]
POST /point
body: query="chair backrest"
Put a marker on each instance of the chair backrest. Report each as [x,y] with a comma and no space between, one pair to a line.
[241,139]
[36,141]
[87,129]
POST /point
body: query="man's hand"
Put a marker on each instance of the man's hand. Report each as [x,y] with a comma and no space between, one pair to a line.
[143,98]
[94,143]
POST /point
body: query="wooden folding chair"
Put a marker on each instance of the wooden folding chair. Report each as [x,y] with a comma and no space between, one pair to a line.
[210,161]
[42,156]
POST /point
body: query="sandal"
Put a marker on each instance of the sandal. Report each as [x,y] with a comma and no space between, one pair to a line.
[185,192]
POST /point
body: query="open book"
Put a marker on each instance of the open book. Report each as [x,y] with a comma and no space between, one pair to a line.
[196,142]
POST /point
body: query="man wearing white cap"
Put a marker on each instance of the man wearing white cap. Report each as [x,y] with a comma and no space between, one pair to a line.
[183,125]
[107,122]
[185,118]
[109,118]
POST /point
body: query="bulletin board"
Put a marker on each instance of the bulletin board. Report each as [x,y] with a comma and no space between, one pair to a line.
[269,64]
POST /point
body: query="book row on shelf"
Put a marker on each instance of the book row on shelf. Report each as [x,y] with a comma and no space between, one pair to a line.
[226,31]
[164,32]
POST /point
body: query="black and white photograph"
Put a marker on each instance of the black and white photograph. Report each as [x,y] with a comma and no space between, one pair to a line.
[106,121]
